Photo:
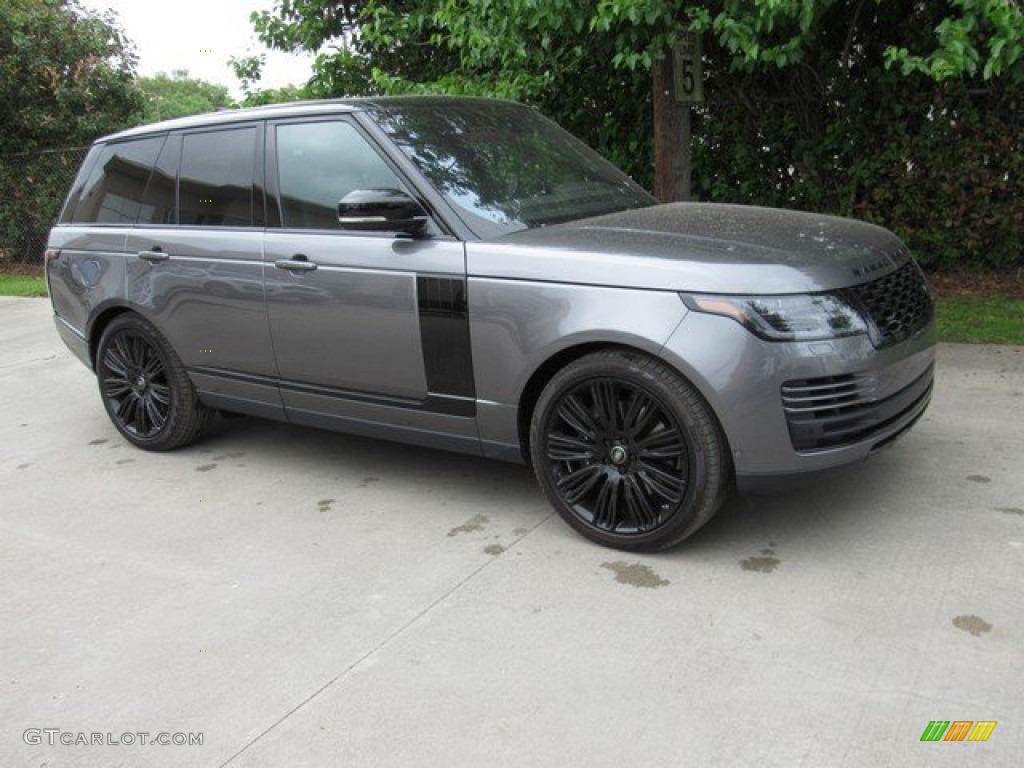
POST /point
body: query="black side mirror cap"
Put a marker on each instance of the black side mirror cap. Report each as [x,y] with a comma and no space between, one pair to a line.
[382,210]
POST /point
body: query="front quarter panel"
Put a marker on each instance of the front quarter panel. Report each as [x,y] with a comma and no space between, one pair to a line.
[516,326]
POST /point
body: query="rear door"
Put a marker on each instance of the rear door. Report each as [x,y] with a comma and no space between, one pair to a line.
[195,263]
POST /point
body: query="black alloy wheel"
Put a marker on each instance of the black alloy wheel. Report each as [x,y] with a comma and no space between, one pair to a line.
[144,387]
[627,451]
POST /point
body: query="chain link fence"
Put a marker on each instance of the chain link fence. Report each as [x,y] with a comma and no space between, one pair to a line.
[33,186]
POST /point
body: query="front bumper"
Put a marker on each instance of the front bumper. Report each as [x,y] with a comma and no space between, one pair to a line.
[802,407]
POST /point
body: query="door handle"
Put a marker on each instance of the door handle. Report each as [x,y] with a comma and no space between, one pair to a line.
[154,255]
[297,263]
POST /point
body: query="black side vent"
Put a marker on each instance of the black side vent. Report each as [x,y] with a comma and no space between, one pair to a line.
[840,410]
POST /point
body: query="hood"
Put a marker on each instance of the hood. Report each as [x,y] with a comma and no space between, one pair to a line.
[697,247]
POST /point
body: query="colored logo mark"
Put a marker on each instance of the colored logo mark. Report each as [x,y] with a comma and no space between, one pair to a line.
[958,730]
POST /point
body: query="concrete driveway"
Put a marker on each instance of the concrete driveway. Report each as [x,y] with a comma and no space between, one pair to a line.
[300,598]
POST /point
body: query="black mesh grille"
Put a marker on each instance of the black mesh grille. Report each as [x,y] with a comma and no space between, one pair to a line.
[839,410]
[896,306]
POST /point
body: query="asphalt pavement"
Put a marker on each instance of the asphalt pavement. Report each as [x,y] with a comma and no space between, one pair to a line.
[292,597]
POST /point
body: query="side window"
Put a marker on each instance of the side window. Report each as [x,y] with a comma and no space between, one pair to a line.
[320,163]
[215,187]
[158,201]
[112,190]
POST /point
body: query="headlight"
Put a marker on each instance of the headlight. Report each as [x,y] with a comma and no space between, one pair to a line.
[800,317]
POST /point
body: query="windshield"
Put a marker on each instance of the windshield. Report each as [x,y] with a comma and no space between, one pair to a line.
[504,167]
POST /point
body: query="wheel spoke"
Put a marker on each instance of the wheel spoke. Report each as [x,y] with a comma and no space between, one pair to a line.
[115,362]
[125,408]
[660,482]
[663,444]
[606,407]
[152,367]
[579,483]
[115,387]
[575,414]
[640,412]
[161,393]
[140,416]
[154,414]
[606,508]
[639,507]
[565,448]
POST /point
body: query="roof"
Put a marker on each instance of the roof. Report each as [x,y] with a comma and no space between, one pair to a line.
[290,109]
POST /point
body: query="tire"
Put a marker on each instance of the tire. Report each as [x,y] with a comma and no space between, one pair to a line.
[628,452]
[144,387]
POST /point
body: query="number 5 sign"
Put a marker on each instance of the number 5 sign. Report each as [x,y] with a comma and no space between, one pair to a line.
[688,66]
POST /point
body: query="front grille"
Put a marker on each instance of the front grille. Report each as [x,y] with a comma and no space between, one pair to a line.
[896,306]
[833,411]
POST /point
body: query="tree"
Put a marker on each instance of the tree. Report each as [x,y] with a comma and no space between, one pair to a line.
[825,105]
[66,77]
[178,94]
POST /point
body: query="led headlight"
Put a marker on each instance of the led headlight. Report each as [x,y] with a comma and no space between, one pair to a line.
[798,317]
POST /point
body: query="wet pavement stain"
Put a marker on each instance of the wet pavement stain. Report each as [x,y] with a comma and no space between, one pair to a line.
[636,575]
[24,466]
[520,531]
[368,481]
[1004,510]
[125,461]
[973,624]
[324,505]
[226,456]
[205,467]
[979,479]
[494,549]
[98,441]
[765,564]
[475,523]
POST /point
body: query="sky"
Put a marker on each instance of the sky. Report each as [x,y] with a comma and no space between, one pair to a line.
[200,36]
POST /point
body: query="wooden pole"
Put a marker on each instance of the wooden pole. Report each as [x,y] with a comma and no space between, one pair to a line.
[671,136]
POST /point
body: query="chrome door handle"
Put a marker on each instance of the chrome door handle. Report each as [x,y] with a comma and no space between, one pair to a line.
[295,264]
[153,256]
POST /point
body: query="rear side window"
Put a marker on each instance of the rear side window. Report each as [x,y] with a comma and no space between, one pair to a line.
[159,201]
[112,189]
[215,187]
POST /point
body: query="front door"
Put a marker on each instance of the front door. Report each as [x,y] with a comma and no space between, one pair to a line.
[346,310]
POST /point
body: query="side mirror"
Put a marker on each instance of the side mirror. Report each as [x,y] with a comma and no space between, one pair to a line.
[382,210]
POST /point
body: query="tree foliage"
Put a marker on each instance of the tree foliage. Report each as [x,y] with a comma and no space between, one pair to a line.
[897,111]
[178,94]
[66,75]
[248,70]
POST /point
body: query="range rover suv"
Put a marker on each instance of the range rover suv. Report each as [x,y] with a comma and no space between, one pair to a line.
[462,273]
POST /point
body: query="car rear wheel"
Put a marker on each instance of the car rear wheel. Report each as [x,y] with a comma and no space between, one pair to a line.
[627,451]
[144,387]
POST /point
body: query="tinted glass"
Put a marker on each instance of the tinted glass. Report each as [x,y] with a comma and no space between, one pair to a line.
[158,201]
[113,189]
[505,167]
[320,163]
[216,180]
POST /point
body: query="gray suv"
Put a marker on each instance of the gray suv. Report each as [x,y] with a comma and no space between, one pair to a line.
[463,274]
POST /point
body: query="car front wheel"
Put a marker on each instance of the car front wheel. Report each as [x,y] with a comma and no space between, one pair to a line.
[145,388]
[627,451]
